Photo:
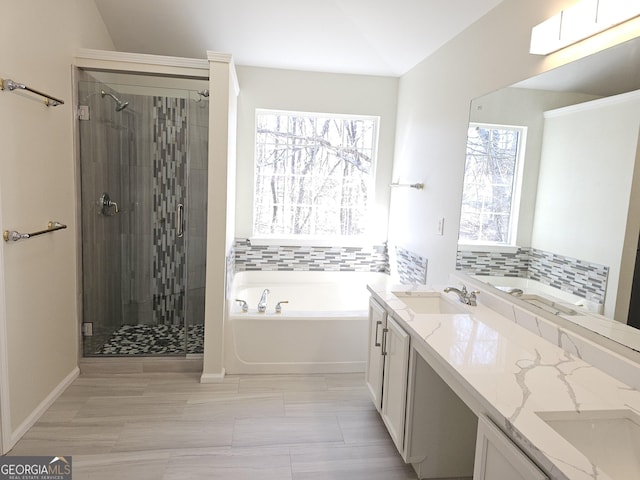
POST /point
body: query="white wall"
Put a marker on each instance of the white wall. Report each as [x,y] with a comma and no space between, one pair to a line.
[37,44]
[433,114]
[586,172]
[313,92]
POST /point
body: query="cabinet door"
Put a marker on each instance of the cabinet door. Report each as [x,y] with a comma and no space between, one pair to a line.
[497,457]
[395,350]
[375,360]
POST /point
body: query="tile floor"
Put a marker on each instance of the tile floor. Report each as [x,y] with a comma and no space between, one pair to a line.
[152,340]
[166,426]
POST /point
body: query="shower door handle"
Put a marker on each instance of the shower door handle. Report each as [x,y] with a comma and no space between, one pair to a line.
[180,220]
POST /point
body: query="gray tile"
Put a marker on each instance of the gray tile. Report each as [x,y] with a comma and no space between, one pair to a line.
[232,464]
[286,431]
[168,434]
[369,462]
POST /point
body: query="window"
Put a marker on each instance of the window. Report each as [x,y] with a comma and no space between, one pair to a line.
[490,194]
[313,174]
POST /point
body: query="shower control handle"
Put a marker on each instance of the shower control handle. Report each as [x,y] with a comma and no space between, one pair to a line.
[180,220]
[106,204]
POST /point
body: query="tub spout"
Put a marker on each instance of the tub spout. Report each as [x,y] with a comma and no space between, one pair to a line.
[262,304]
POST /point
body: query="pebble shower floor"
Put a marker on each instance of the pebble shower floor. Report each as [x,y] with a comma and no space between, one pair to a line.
[153,340]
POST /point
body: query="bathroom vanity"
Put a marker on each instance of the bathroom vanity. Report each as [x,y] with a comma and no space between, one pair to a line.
[469,392]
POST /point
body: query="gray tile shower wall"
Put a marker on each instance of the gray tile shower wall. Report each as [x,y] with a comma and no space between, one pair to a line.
[411,268]
[275,257]
[170,139]
[584,279]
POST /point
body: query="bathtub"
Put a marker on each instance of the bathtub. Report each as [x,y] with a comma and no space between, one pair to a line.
[322,329]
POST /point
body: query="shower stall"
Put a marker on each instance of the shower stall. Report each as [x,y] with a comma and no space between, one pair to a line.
[143,181]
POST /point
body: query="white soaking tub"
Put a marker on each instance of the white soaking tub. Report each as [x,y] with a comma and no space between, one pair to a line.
[322,329]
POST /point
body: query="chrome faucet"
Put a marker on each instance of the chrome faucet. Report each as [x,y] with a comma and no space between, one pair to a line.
[262,304]
[464,296]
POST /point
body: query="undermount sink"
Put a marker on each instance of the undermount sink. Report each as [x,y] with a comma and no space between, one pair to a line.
[429,304]
[609,439]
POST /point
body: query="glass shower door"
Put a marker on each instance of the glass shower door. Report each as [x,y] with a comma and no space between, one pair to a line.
[135,268]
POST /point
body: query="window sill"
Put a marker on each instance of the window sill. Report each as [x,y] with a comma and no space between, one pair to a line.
[312,242]
[469,247]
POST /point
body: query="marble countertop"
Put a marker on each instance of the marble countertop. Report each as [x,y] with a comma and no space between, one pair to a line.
[511,374]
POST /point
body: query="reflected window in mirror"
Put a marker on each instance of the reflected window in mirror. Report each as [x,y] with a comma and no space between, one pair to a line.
[492,178]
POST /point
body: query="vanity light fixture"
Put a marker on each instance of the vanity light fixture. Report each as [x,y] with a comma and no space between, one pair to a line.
[580,21]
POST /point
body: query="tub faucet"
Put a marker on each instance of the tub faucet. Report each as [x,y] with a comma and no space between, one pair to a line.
[262,304]
[463,295]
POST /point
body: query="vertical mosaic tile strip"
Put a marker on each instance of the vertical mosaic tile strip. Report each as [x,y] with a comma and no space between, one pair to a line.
[584,279]
[411,268]
[303,258]
[494,263]
[169,168]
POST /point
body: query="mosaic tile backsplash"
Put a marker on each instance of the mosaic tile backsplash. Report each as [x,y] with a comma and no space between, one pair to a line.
[307,258]
[410,267]
[584,279]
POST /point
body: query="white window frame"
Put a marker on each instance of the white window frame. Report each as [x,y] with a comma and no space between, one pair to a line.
[319,240]
[511,244]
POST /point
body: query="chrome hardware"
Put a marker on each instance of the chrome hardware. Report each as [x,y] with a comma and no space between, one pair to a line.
[384,341]
[243,304]
[516,292]
[376,342]
[14,236]
[279,307]
[49,101]
[106,204]
[464,296]
[262,304]
[180,220]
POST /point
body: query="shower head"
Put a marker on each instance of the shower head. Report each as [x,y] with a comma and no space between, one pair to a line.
[204,93]
[120,105]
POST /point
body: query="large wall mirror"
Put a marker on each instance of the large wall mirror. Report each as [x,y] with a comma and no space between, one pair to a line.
[579,188]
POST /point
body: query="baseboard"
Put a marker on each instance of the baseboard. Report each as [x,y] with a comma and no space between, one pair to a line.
[42,407]
[212,377]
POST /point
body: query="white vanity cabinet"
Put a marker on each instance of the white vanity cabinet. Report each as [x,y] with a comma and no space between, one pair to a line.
[375,360]
[497,457]
[387,365]
[394,380]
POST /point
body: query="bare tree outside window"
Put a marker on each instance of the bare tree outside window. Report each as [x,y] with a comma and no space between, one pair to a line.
[313,173]
[490,178]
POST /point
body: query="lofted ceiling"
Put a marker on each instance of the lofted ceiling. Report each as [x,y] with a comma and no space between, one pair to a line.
[374,37]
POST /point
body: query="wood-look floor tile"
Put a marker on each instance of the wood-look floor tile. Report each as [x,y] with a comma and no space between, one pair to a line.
[280,383]
[67,439]
[188,383]
[122,409]
[346,380]
[172,434]
[329,402]
[232,464]
[360,462]
[213,407]
[363,427]
[286,431]
[121,466]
